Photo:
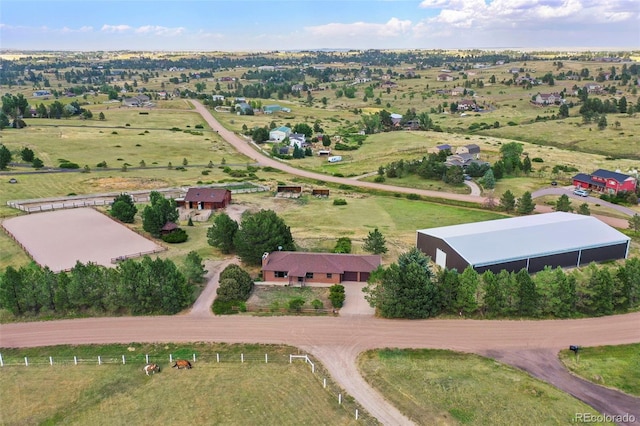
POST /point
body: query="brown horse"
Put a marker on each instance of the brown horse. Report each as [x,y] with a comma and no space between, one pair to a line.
[181,363]
[151,368]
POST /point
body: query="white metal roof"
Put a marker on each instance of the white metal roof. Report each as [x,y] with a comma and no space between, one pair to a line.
[501,240]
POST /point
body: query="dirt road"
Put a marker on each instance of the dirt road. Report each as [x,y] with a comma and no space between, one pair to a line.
[336,341]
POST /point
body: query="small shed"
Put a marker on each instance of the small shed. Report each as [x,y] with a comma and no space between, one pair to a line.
[320,192]
[168,228]
[290,188]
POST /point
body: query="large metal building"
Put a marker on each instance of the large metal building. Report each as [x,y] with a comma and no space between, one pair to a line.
[529,242]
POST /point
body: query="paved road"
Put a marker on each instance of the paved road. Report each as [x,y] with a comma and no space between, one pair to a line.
[580,200]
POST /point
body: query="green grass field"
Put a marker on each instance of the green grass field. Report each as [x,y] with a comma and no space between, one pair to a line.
[612,366]
[443,387]
[225,393]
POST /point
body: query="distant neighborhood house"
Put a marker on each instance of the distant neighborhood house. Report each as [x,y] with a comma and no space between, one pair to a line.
[136,101]
[299,268]
[279,134]
[445,77]
[606,181]
[548,99]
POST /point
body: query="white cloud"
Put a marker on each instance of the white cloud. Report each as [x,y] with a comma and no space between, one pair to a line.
[392,28]
[160,31]
[115,28]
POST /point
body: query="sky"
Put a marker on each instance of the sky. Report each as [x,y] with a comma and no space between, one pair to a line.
[264,25]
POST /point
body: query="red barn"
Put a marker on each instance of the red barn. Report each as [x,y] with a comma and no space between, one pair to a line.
[205,199]
[605,181]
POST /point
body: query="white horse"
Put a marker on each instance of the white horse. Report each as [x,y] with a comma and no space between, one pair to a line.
[151,368]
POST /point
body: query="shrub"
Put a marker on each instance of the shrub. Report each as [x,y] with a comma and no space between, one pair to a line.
[379,179]
[199,126]
[336,295]
[69,165]
[224,307]
[339,202]
[343,245]
[317,304]
[177,236]
[296,304]
[413,196]
[537,160]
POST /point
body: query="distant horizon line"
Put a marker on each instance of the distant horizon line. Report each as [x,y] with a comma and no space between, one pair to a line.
[342,49]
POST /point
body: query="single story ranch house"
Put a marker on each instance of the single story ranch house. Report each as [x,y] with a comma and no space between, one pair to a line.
[299,268]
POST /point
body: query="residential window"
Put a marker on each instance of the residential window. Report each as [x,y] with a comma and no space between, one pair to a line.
[329,275]
[309,275]
[281,274]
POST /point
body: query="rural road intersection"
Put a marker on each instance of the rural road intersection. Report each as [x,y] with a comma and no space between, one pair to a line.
[337,341]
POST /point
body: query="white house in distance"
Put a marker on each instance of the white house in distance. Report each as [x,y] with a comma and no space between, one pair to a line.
[278,134]
[297,139]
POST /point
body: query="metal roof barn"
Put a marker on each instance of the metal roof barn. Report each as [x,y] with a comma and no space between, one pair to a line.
[529,242]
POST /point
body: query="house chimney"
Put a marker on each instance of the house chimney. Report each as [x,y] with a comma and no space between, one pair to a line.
[265,258]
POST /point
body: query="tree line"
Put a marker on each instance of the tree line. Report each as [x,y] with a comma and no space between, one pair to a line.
[410,288]
[146,287]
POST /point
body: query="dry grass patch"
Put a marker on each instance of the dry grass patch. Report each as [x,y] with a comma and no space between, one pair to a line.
[443,387]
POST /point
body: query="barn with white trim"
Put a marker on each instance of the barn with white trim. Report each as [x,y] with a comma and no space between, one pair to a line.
[529,242]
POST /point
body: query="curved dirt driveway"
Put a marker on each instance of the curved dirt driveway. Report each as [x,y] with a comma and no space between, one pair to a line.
[336,341]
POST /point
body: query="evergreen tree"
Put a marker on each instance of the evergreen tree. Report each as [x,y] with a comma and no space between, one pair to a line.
[583,209]
[222,233]
[158,213]
[634,223]
[259,233]
[123,208]
[601,287]
[5,157]
[629,278]
[508,201]
[375,242]
[488,180]
[449,282]
[565,300]
[194,268]
[404,289]
[466,302]
[526,204]
[527,294]
[526,165]
[494,298]
[563,204]
[235,284]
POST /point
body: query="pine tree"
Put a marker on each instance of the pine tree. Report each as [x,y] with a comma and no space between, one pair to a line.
[563,204]
[508,201]
[527,294]
[375,243]
[526,204]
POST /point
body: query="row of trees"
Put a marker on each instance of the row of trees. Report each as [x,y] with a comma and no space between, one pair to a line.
[411,289]
[150,286]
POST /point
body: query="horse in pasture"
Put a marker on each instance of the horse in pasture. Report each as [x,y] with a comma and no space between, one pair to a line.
[181,363]
[151,368]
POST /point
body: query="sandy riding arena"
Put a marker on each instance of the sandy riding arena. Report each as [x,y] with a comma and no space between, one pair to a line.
[58,239]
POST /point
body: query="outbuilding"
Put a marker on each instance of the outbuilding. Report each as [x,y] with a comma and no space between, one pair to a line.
[205,199]
[527,242]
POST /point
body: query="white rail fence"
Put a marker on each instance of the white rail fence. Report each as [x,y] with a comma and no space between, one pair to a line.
[347,402]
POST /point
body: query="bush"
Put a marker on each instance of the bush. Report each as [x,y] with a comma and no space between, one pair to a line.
[413,196]
[336,295]
[177,236]
[317,304]
[537,160]
[296,304]
[221,307]
[102,164]
[235,284]
[379,179]
[343,245]
[339,202]
[68,165]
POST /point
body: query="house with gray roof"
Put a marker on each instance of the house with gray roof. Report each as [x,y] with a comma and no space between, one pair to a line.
[532,243]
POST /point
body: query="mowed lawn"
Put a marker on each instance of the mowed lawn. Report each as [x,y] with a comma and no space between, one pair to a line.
[443,387]
[225,393]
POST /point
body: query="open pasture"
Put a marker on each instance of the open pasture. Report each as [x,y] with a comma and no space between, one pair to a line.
[443,387]
[225,393]
[61,238]
[147,139]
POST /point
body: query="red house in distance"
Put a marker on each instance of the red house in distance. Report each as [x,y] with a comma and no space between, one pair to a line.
[205,199]
[605,181]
